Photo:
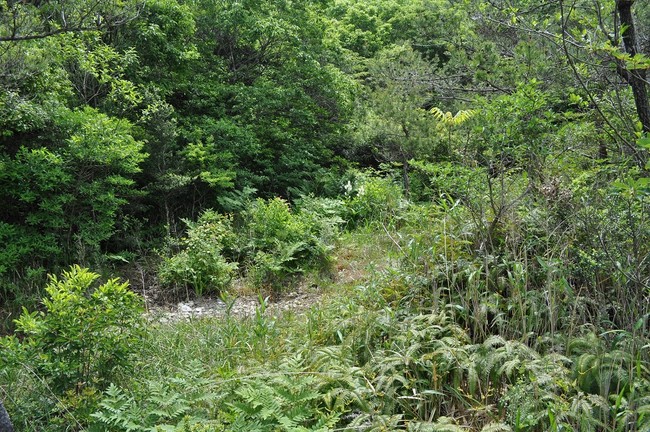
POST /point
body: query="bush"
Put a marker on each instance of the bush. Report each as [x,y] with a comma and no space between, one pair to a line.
[201,264]
[444,179]
[279,243]
[325,214]
[75,346]
[272,242]
[372,199]
[85,334]
[63,201]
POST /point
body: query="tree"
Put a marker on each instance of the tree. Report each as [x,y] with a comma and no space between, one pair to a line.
[588,47]
[395,125]
[636,76]
[30,20]
[63,197]
[262,98]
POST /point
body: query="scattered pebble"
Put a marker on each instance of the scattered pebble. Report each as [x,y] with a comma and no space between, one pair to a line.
[244,306]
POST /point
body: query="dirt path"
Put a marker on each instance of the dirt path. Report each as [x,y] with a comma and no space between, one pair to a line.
[240,307]
[351,267]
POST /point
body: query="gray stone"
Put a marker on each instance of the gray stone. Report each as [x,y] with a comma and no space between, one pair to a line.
[5,423]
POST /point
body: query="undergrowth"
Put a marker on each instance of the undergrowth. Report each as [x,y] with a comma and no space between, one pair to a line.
[447,317]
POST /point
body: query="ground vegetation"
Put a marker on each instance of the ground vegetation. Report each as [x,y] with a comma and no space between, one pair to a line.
[464,184]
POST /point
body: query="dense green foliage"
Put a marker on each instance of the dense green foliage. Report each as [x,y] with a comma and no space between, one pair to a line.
[479,168]
[201,264]
[75,347]
[269,242]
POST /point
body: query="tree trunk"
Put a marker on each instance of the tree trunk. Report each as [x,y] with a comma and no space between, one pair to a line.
[636,78]
[405,178]
[405,165]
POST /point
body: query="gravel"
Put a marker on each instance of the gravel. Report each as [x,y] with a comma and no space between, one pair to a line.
[242,307]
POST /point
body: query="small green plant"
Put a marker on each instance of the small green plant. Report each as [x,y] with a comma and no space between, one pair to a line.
[201,264]
[372,199]
[272,242]
[325,215]
[279,243]
[446,179]
[599,369]
[85,333]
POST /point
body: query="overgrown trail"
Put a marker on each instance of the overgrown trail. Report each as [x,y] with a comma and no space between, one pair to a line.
[239,307]
[357,258]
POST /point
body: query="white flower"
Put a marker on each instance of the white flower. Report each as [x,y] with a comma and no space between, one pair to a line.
[348,187]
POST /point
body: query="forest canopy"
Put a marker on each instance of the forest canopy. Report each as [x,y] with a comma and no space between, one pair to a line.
[117,113]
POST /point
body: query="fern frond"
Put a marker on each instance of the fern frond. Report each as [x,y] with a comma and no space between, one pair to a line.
[438,114]
[496,427]
[510,367]
[589,343]
[449,119]
[494,341]
[326,422]
[446,424]
[463,115]
[118,410]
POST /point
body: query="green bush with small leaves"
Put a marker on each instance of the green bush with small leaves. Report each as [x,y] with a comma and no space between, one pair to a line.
[85,332]
[372,199]
[81,339]
[272,242]
[201,264]
[278,243]
[445,179]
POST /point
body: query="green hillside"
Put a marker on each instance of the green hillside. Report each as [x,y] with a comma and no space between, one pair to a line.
[457,192]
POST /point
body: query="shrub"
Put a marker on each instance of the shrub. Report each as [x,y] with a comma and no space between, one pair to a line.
[279,243]
[65,200]
[324,214]
[445,179]
[70,350]
[200,264]
[270,240]
[372,199]
[86,332]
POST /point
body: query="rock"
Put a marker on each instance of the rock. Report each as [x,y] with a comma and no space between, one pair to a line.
[297,301]
[5,422]
[185,307]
